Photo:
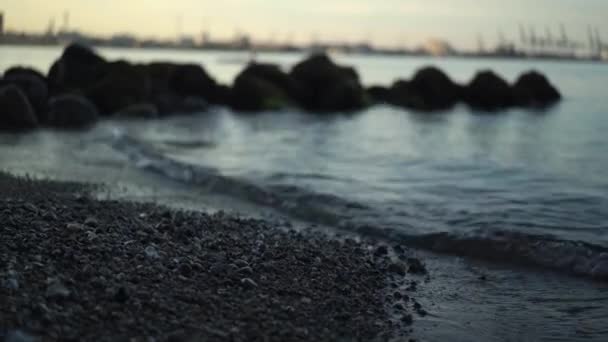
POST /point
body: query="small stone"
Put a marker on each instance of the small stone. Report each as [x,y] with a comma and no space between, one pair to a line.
[246,270]
[11,284]
[399,307]
[185,270]
[91,222]
[56,289]
[151,252]
[19,336]
[412,287]
[121,295]
[241,263]
[416,266]
[248,283]
[306,300]
[397,268]
[75,227]
[407,319]
[381,251]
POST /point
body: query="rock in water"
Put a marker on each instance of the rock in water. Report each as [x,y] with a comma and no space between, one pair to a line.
[16,112]
[430,89]
[77,68]
[33,84]
[122,85]
[328,87]
[488,91]
[534,89]
[265,86]
[378,94]
[192,80]
[71,111]
[250,93]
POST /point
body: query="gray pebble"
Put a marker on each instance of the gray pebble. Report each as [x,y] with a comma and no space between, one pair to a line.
[56,289]
[151,252]
[248,283]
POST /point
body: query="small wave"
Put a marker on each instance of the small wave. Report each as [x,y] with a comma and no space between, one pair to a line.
[314,207]
[572,257]
[188,144]
[283,175]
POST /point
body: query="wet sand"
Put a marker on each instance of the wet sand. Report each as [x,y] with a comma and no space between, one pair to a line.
[75,268]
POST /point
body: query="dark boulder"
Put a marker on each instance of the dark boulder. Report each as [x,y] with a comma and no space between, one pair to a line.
[250,93]
[223,95]
[273,74]
[488,91]
[378,94]
[121,85]
[71,111]
[262,87]
[77,68]
[403,94]
[430,89]
[327,86]
[169,103]
[534,90]
[32,83]
[16,112]
[159,74]
[192,80]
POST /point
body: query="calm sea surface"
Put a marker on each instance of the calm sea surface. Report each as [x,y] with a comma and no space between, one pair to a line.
[534,178]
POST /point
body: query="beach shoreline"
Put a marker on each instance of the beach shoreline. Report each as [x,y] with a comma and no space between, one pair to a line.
[77,268]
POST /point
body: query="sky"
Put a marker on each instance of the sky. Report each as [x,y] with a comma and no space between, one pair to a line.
[382,22]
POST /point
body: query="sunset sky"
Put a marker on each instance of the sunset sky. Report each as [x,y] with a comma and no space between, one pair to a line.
[383,22]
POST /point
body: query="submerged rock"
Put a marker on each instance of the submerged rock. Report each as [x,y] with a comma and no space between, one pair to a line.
[488,91]
[328,87]
[16,112]
[71,111]
[532,89]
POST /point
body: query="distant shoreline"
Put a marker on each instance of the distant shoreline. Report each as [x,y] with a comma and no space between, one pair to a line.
[552,58]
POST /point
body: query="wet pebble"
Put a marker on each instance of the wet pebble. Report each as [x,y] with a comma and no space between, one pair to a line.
[397,268]
[19,336]
[381,251]
[248,283]
[56,289]
[121,295]
[416,266]
[151,252]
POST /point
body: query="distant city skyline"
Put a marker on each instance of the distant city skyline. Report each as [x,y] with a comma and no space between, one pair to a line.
[383,23]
